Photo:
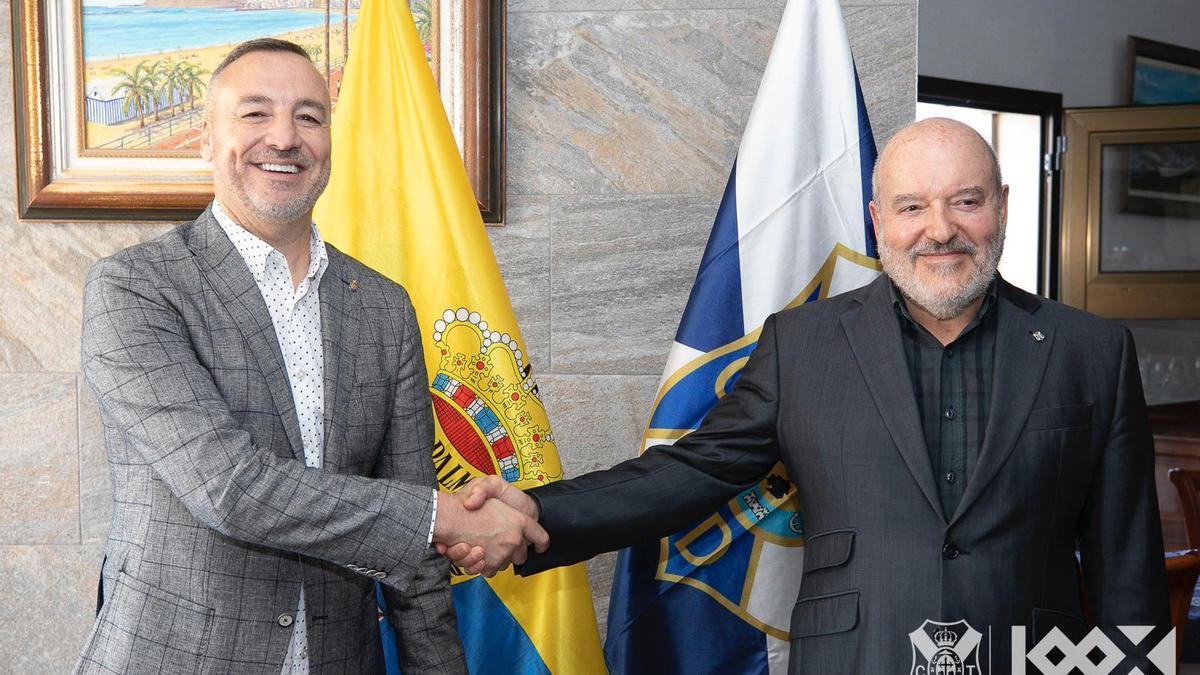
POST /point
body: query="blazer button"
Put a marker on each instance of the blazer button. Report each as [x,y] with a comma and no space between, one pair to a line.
[949,551]
[284,620]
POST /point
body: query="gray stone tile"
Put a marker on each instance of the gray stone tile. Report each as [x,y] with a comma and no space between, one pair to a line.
[8,180]
[598,419]
[47,605]
[522,247]
[39,461]
[515,6]
[877,3]
[598,422]
[600,574]
[884,42]
[95,482]
[41,290]
[621,271]
[603,102]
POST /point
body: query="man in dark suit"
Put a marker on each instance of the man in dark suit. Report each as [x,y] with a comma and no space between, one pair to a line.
[963,450]
[267,421]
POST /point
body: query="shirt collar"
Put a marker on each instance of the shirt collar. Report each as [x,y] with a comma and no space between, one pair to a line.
[989,299]
[255,251]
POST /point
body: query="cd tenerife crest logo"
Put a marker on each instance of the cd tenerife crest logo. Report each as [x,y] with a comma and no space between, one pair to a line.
[945,649]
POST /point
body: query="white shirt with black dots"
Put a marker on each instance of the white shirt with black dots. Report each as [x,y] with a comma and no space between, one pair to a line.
[296,316]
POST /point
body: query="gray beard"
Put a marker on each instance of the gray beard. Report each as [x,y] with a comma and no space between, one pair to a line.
[287,210]
[899,266]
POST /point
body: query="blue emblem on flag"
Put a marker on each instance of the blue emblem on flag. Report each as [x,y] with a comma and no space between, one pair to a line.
[792,227]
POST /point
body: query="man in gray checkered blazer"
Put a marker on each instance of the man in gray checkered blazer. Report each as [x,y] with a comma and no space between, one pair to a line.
[267,422]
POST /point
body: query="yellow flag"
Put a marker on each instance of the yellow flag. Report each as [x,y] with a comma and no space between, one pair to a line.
[399,200]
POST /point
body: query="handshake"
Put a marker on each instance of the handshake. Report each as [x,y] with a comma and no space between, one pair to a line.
[487,526]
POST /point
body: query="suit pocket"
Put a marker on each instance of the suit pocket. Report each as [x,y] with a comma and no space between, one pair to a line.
[828,549]
[1062,417]
[825,614]
[144,629]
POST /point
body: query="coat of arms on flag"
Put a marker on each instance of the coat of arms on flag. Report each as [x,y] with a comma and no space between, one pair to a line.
[398,199]
[490,419]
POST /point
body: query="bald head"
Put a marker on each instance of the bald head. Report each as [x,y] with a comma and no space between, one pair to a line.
[935,130]
[940,211]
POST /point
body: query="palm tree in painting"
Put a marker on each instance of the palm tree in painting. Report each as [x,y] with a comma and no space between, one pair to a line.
[136,88]
[423,17]
[172,82]
[155,78]
[192,81]
[327,4]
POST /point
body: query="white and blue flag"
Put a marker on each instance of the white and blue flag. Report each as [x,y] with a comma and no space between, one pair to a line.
[793,227]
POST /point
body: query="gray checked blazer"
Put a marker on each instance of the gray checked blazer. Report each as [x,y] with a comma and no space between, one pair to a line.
[217,521]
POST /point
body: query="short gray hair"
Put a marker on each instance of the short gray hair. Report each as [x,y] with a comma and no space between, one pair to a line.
[267,44]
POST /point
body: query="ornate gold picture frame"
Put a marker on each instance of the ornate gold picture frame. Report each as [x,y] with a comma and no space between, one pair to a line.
[106,131]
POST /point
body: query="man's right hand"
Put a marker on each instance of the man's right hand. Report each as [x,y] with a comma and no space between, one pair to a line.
[489,537]
[478,495]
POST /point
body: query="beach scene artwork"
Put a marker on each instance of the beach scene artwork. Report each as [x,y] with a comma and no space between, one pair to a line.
[146,63]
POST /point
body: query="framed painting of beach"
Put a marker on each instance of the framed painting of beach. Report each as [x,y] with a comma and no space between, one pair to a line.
[110,93]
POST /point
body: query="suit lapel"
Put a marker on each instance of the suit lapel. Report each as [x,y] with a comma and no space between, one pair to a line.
[340,311]
[1020,363]
[234,285]
[874,334]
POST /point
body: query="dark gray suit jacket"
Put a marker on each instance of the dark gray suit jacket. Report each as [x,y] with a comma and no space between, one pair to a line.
[1067,463]
[217,521]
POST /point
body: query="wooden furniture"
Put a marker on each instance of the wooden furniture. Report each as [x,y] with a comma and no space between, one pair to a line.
[1176,430]
[1183,567]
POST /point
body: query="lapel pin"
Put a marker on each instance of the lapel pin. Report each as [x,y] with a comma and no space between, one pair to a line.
[354,286]
[1038,335]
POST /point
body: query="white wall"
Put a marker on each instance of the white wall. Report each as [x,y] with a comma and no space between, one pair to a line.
[1075,47]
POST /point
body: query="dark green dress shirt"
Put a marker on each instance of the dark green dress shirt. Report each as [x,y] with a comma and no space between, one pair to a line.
[953,389]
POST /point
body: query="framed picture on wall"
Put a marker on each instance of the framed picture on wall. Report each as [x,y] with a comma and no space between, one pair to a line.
[110,94]
[1162,74]
[1130,186]
[1163,180]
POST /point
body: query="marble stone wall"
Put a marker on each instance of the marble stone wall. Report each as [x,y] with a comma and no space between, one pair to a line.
[624,118]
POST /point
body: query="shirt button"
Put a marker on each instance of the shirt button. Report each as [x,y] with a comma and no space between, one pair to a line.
[949,352]
[301,374]
[950,414]
[950,551]
[950,477]
[284,620]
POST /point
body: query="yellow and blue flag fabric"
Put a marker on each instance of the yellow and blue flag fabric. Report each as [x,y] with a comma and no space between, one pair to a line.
[399,200]
[792,227]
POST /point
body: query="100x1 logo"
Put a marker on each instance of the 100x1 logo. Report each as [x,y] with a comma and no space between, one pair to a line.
[941,648]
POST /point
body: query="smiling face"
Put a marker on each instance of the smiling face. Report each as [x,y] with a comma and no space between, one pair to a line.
[939,214]
[266,134]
